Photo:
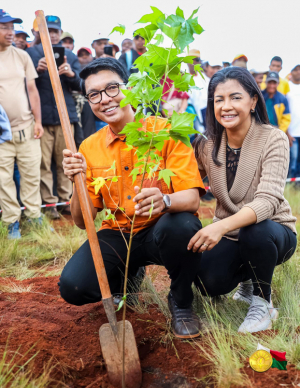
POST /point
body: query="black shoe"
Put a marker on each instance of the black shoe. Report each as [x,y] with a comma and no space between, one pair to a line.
[66,210]
[185,323]
[134,286]
[52,213]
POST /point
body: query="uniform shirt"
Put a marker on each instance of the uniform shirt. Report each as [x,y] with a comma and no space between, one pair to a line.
[104,148]
[15,68]
[293,98]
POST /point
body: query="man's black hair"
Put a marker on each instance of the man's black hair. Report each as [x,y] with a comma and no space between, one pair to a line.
[277,59]
[102,64]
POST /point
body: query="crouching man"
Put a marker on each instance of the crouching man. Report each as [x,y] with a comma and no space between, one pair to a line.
[162,239]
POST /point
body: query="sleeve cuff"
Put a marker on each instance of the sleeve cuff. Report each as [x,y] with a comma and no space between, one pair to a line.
[260,208]
[189,184]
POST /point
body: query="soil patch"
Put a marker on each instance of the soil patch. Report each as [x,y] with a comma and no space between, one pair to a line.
[68,336]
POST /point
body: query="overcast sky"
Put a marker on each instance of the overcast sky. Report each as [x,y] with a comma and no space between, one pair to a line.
[259,29]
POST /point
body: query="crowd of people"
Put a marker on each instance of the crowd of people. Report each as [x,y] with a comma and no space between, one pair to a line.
[251,121]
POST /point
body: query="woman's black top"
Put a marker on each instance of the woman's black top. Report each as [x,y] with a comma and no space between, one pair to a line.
[232,161]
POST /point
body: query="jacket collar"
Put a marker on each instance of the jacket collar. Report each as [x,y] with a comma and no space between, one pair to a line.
[111,136]
[251,151]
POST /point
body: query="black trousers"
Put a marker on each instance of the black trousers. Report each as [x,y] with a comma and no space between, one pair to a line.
[254,256]
[165,244]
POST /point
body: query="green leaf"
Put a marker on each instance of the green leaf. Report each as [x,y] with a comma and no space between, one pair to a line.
[156,16]
[194,13]
[184,139]
[120,29]
[120,305]
[112,167]
[134,174]
[147,32]
[174,20]
[171,32]
[122,209]
[166,176]
[114,179]
[159,39]
[182,82]
[179,12]
[129,127]
[130,99]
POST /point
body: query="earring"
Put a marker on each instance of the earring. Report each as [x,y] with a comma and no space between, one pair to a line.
[252,110]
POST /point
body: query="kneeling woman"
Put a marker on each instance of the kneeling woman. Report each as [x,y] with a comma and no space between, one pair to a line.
[246,160]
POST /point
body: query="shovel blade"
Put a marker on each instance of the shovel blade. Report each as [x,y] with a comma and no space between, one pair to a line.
[112,354]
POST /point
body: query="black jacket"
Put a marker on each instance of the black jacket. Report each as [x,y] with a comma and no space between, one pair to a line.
[123,60]
[48,104]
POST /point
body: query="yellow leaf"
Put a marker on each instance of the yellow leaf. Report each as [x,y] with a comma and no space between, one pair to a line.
[98,183]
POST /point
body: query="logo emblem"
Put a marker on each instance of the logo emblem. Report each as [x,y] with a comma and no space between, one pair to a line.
[260,361]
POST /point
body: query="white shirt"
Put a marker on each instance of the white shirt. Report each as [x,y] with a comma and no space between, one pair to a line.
[294,102]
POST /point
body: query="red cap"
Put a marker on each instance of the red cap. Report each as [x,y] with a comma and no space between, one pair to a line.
[86,49]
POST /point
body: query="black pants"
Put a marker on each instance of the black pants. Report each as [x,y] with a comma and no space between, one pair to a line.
[260,248]
[165,244]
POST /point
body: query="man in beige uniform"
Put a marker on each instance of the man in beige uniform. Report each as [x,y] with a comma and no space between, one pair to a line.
[17,74]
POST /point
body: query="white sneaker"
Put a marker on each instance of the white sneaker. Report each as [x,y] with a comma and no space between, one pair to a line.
[260,315]
[245,292]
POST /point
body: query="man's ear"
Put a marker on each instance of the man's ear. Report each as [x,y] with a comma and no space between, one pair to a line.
[60,32]
[93,45]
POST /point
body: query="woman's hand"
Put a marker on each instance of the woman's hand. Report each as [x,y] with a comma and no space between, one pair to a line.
[207,238]
[73,164]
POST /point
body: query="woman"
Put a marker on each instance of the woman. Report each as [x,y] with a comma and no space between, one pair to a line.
[246,161]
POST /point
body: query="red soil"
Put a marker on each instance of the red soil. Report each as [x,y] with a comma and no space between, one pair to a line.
[69,336]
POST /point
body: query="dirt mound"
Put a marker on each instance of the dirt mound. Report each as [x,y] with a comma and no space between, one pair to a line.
[68,336]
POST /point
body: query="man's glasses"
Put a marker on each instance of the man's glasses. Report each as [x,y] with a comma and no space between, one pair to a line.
[7,28]
[110,90]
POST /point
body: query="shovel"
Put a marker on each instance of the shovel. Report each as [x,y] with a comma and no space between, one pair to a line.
[111,334]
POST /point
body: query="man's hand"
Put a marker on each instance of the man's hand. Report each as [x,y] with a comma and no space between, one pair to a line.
[291,139]
[38,130]
[73,164]
[145,198]
[42,65]
[207,238]
[65,69]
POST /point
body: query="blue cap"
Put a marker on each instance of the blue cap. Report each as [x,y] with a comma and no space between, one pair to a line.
[18,32]
[53,22]
[6,18]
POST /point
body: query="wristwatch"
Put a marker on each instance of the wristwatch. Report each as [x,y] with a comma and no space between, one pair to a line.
[167,202]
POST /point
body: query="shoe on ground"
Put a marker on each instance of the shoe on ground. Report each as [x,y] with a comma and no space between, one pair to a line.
[135,285]
[52,213]
[260,315]
[185,323]
[245,292]
[38,221]
[66,210]
[14,231]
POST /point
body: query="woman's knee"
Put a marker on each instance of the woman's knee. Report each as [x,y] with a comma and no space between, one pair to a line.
[256,235]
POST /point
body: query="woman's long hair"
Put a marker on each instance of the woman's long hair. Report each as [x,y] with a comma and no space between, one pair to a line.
[214,129]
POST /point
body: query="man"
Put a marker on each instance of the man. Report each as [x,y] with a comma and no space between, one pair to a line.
[98,45]
[163,238]
[240,61]
[258,76]
[67,41]
[276,65]
[128,57]
[20,39]
[293,132]
[53,141]
[17,74]
[126,45]
[85,56]
[276,103]
[36,34]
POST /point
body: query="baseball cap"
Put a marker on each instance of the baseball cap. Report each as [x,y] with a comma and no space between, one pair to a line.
[53,22]
[215,62]
[272,76]
[294,67]
[103,37]
[6,18]
[240,57]
[65,35]
[21,32]
[255,71]
[115,46]
[85,49]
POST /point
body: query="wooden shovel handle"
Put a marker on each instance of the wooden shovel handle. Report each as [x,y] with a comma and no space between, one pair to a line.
[79,178]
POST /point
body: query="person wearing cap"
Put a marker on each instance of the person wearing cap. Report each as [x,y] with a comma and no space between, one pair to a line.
[53,141]
[98,45]
[85,56]
[36,34]
[20,39]
[67,41]
[293,132]
[258,75]
[276,103]
[128,58]
[17,74]
[283,85]
[240,61]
